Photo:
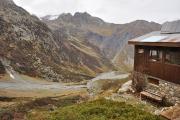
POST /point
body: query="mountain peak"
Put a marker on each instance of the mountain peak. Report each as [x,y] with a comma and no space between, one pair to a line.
[139,22]
[143,23]
[65,15]
[79,19]
[86,18]
[77,14]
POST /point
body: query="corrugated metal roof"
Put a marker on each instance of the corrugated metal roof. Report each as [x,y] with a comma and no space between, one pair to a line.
[164,37]
[154,39]
[157,39]
[171,27]
[168,36]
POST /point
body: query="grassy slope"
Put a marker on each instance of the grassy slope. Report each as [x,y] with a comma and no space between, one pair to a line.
[96,110]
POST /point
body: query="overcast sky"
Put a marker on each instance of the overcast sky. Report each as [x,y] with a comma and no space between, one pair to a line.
[115,11]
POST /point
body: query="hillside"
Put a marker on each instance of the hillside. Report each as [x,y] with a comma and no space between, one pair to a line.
[31,48]
[68,47]
[110,38]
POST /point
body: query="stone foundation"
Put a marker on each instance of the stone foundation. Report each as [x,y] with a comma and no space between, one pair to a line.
[170,90]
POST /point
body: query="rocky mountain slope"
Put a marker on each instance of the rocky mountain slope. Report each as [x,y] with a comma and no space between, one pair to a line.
[31,48]
[110,38]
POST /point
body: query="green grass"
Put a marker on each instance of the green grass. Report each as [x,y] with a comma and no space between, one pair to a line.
[100,110]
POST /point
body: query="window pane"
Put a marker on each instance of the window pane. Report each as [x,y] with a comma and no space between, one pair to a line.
[140,51]
[155,55]
[173,57]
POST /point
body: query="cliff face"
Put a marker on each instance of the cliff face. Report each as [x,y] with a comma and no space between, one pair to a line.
[110,39]
[33,49]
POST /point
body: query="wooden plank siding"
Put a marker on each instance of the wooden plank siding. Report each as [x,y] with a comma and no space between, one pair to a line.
[159,69]
[155,69]
[172,73]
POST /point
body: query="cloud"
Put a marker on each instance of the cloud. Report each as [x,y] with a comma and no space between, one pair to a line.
[116,11]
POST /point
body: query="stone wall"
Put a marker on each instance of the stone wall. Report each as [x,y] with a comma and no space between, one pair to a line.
[170,90]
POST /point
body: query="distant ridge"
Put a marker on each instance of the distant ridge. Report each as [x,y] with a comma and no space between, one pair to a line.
[110,38]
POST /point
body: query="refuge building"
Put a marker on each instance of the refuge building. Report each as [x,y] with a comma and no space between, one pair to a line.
[157,63]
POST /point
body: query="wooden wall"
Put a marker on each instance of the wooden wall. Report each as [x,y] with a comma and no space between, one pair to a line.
[159,69]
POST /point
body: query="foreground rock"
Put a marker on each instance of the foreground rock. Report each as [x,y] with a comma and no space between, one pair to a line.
[171,113]
[125,87]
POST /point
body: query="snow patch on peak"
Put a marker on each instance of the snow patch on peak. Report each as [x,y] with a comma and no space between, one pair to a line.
[50,17]
[53,17]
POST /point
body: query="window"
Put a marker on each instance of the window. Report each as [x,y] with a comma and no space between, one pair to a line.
[140,51]
[155,55]
[173,57]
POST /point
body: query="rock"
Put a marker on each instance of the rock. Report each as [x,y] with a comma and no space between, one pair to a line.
[125,87]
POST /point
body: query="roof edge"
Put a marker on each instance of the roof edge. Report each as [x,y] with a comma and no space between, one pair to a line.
[160,44]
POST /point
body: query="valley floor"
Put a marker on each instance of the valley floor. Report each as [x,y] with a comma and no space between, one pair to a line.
[15,89]
[16,85]
[35,99]
[25,84]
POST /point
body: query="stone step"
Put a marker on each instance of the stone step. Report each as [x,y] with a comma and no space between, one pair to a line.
[152,96]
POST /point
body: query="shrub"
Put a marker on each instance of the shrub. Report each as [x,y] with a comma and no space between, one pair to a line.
[101,110]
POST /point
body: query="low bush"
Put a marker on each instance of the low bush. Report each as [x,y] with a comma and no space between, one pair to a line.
[101,110]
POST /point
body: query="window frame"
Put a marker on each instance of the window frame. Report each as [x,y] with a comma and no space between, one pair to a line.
[140,50]
[159,58]
[169,63]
